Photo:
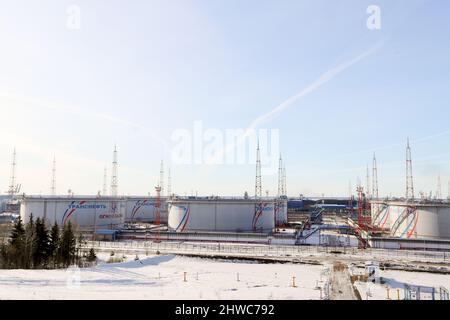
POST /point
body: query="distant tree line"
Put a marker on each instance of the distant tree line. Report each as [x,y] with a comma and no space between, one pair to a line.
[33,246]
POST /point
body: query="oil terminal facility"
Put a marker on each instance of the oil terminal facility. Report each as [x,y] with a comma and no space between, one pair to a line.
[364,221]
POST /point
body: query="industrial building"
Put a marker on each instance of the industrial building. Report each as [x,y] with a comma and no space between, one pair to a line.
[222,214]
[86,213]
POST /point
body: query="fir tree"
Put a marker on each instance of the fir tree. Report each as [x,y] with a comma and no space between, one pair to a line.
[40,256]
[68,245]
[54,246]
[30,244]
[4,257]
[15,252]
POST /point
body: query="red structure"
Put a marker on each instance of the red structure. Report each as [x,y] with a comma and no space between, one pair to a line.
[364,217]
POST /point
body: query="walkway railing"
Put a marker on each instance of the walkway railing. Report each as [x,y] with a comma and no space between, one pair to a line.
[269,251]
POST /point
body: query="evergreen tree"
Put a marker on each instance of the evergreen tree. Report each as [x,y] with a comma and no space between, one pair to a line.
[40,256]
[15,253]
[68,245]
[79,246]
[30,244]
[54,246]
[4,257]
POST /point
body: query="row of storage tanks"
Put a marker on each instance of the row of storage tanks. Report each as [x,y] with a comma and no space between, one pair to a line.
[412,220]
[180,214]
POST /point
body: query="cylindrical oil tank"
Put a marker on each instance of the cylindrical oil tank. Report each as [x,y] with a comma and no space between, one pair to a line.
[82,212]
[141,209]
[381,214]
[227,215]
[419,220]
[281,217]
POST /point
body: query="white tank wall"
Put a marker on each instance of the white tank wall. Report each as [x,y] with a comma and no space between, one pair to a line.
[143,210]
[83,213]
[281,217]
[429,221]
[213,215]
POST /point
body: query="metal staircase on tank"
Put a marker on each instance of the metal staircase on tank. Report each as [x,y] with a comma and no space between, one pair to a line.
[316,215]
[377,215]
[401,218]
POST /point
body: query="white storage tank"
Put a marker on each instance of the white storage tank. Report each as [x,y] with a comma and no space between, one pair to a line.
[417,220]
[142,209]
[222,214]
[281,217]
[83,212]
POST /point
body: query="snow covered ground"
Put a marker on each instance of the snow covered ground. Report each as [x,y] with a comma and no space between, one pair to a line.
[397,280]
[162,277]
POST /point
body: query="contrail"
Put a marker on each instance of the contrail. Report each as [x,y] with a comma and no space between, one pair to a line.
[323,79]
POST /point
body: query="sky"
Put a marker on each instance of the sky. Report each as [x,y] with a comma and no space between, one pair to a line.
[77,77]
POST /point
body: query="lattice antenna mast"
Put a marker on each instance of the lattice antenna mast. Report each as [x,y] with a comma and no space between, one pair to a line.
[105,179]
[448,191]
[258,184]
[284,181]
[12,180]
[409,174]
[169,184]
[53,187]
[439,188]
[158,212]
[375,194]
[161,178]
[367,183]
[114,173]
[280,177]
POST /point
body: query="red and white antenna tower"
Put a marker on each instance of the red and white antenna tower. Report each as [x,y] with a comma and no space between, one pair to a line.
[375,194]
[258,184]
[284,181]
[409,174]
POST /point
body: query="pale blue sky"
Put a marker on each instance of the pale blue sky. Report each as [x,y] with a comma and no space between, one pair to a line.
[142,69]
